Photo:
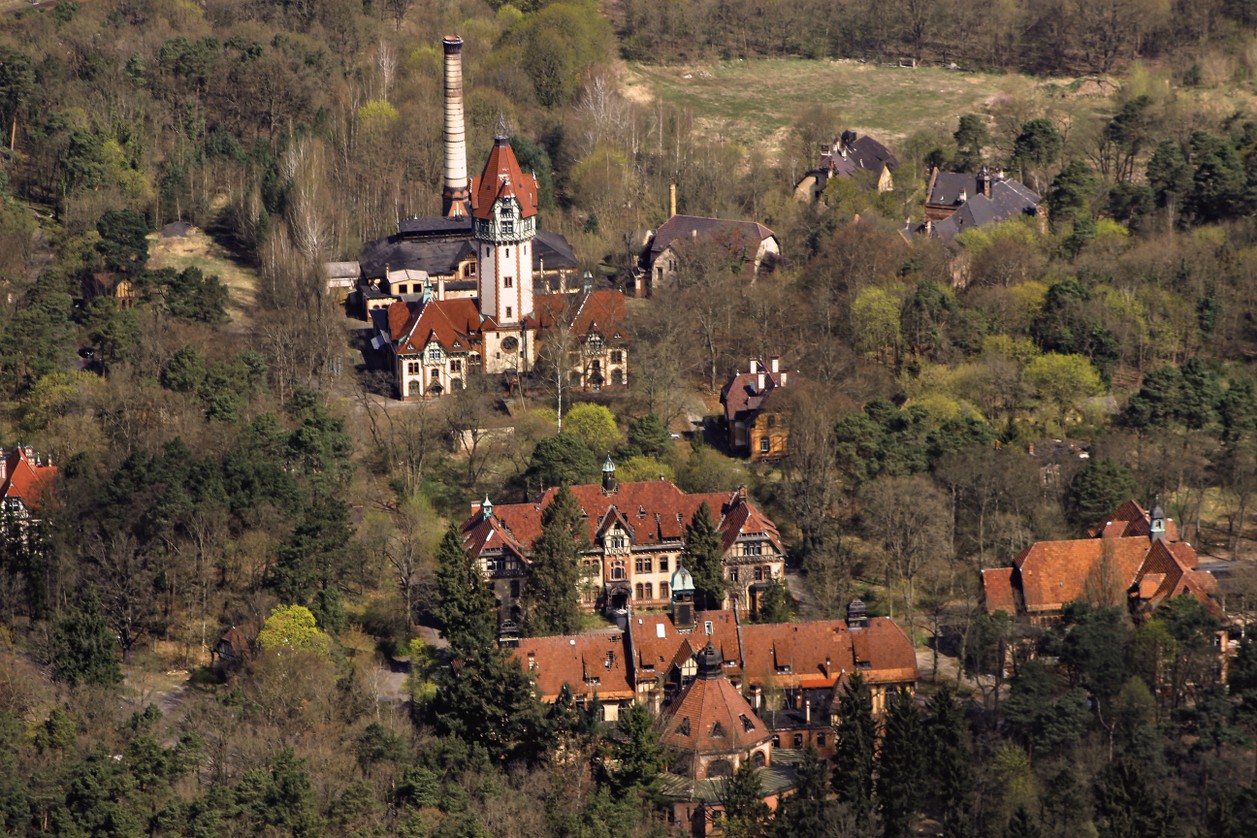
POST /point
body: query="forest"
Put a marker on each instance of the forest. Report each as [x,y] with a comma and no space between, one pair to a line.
[227,471]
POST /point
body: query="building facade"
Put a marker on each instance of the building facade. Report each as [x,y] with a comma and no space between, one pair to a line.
[635,537]
[756,421]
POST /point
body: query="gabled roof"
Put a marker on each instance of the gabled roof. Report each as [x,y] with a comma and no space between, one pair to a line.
[1008,200]
[454,324]
[997,590]
[503,178]
[658,644]
[488,534]
[742,235]
[603,312]
[1053,573]
[589,664]
[863,152]
[819,653]
[656,510]
[1131,519]
[27,476]
[741,394]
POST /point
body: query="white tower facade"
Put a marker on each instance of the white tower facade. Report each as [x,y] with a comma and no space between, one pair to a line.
[504,224]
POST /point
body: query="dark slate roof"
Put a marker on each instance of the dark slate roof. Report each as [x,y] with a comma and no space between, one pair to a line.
[439,252]
[1009,198]
[948,187]
[434,226]
[434,255]
[744,236]
[554,250]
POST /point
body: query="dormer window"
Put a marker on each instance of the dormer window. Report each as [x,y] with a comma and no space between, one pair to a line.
[434,355]
[717,730]
[684,728]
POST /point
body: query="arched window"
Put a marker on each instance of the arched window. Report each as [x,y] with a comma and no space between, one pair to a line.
[617,570]
[720,768]
[617,376]
[663,590]
[758,759]
[650,593]
[639,590]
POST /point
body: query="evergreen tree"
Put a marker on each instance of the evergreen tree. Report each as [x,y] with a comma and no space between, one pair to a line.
[483,697]
[638,751]
[775,603]
[486,698]
[703,560]
[86,649]
[1097,489]
[951,761]
[647,437]
[808,811]
[901,767]
[746,813]
[1021,825]
[464,606]
[550,597]
[855,742]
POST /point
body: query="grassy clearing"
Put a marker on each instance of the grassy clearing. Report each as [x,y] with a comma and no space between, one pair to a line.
[199,250]
[750,101]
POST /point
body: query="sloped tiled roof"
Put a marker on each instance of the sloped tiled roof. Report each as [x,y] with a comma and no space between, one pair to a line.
[744,235]
[656,510]
[711,716]
[503,178]
[741,394]
[1130,519]
[602,311]
[589,664]
[27,477]
[1008,200]
[997,590]
[1053,573]
[454,324]
[816,654]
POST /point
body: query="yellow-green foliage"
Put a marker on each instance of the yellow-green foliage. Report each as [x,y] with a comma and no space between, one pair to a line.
[1023,230]
[643,468]
[942,407]
[423,664]
[377,111]
[1021,350]
[875,320]
[593,425]
[425,62]
[292,627]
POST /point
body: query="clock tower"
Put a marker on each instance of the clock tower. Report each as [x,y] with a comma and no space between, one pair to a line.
[504,223]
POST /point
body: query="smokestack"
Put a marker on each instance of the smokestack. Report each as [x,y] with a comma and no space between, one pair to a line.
[672,199]
[455,193]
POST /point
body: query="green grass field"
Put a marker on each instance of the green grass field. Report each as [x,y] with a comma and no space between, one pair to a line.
[751,101]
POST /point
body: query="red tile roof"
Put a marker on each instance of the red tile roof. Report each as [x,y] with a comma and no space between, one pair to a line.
[1131,519]
[455,324]
[603,312]
[503,178]
[1053,573]
[26,477]
[997,590]
[590,665]
[817,654]
[711,717]
[656,510]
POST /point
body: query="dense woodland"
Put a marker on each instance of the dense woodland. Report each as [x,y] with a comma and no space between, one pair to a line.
[229,465]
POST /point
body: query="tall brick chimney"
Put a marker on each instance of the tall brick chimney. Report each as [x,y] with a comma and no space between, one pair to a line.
[455,193]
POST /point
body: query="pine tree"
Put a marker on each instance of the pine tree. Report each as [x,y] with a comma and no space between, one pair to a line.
[855,742]
[702,559]
[464,605]
[86,648]
[901,767]
[483,697]
[746,813]
[807,811]
[549,601]
[638,751]
[951,760]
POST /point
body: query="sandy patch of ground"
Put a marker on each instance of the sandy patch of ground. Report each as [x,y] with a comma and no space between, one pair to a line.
[199,250]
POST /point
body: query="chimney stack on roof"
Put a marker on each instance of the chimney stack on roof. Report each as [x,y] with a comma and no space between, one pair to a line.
[672,199]
[455,194]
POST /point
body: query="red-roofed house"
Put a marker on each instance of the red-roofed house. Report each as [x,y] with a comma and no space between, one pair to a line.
[587,335]
[25,481]
[755,418]
[636,533]
[1134,557]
